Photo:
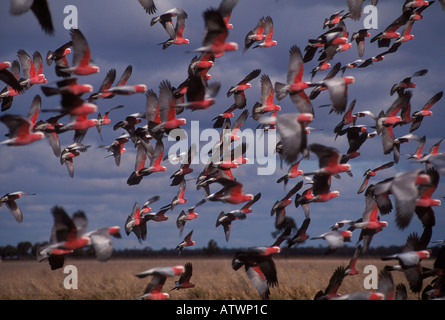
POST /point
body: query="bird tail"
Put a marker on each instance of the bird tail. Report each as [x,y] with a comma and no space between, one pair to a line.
[391,257]
[284,178]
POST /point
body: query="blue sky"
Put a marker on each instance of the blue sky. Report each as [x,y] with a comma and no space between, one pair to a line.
[119,34]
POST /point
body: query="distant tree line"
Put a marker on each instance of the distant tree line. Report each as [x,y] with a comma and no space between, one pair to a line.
[26,250]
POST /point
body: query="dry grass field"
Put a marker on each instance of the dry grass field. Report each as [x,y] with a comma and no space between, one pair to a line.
[299,279]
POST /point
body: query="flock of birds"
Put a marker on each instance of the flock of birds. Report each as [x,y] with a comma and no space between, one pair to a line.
[405,193]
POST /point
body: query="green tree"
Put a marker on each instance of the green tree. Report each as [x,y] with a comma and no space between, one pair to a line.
[212,248]
[23,248]
[9,251]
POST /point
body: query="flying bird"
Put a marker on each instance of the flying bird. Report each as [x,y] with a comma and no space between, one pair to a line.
[136,223]
[238,89]
[82,63]
[183,217]
[266,103]
[301,235]
[338,92]
[268,41]
[335,281]
[187,242]
[255,35]
[215,35]
[404,187]
[230,193]
[293,136]
[372,173]
[295,85]
[225,220]
[13,86]
[8,77]
[184,278]
[40,9]
[355,8]
[70,233]
[425,111]
[175,32]
[153,290]
[335,239]
[409,261]
[32,68]
[69,153]
[9,200]
[259,267]
[279,207]
[20,131]
[359,38]
[406,82]
[225,8]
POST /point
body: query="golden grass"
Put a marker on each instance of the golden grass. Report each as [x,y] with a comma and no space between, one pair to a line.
[299,279]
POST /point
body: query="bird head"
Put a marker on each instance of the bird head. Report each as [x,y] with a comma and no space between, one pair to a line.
[305,117]
[346,234]
[178,269]
[423,254]
[115,231]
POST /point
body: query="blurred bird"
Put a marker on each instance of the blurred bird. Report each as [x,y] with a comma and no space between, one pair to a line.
[9,200]
[13,86]
[225,8]
[154,287]
[259,266]
[39,8]
[8,77]
[335,239]
[355,8]
[409,261]
[404,188]
[184,279]
[82,64]
[69,234]
[20,131]
[215,35]
[230,193]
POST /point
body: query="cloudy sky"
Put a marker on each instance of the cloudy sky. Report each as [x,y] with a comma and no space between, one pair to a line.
[119,34]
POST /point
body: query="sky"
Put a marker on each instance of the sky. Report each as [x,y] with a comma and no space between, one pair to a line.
[119,34]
